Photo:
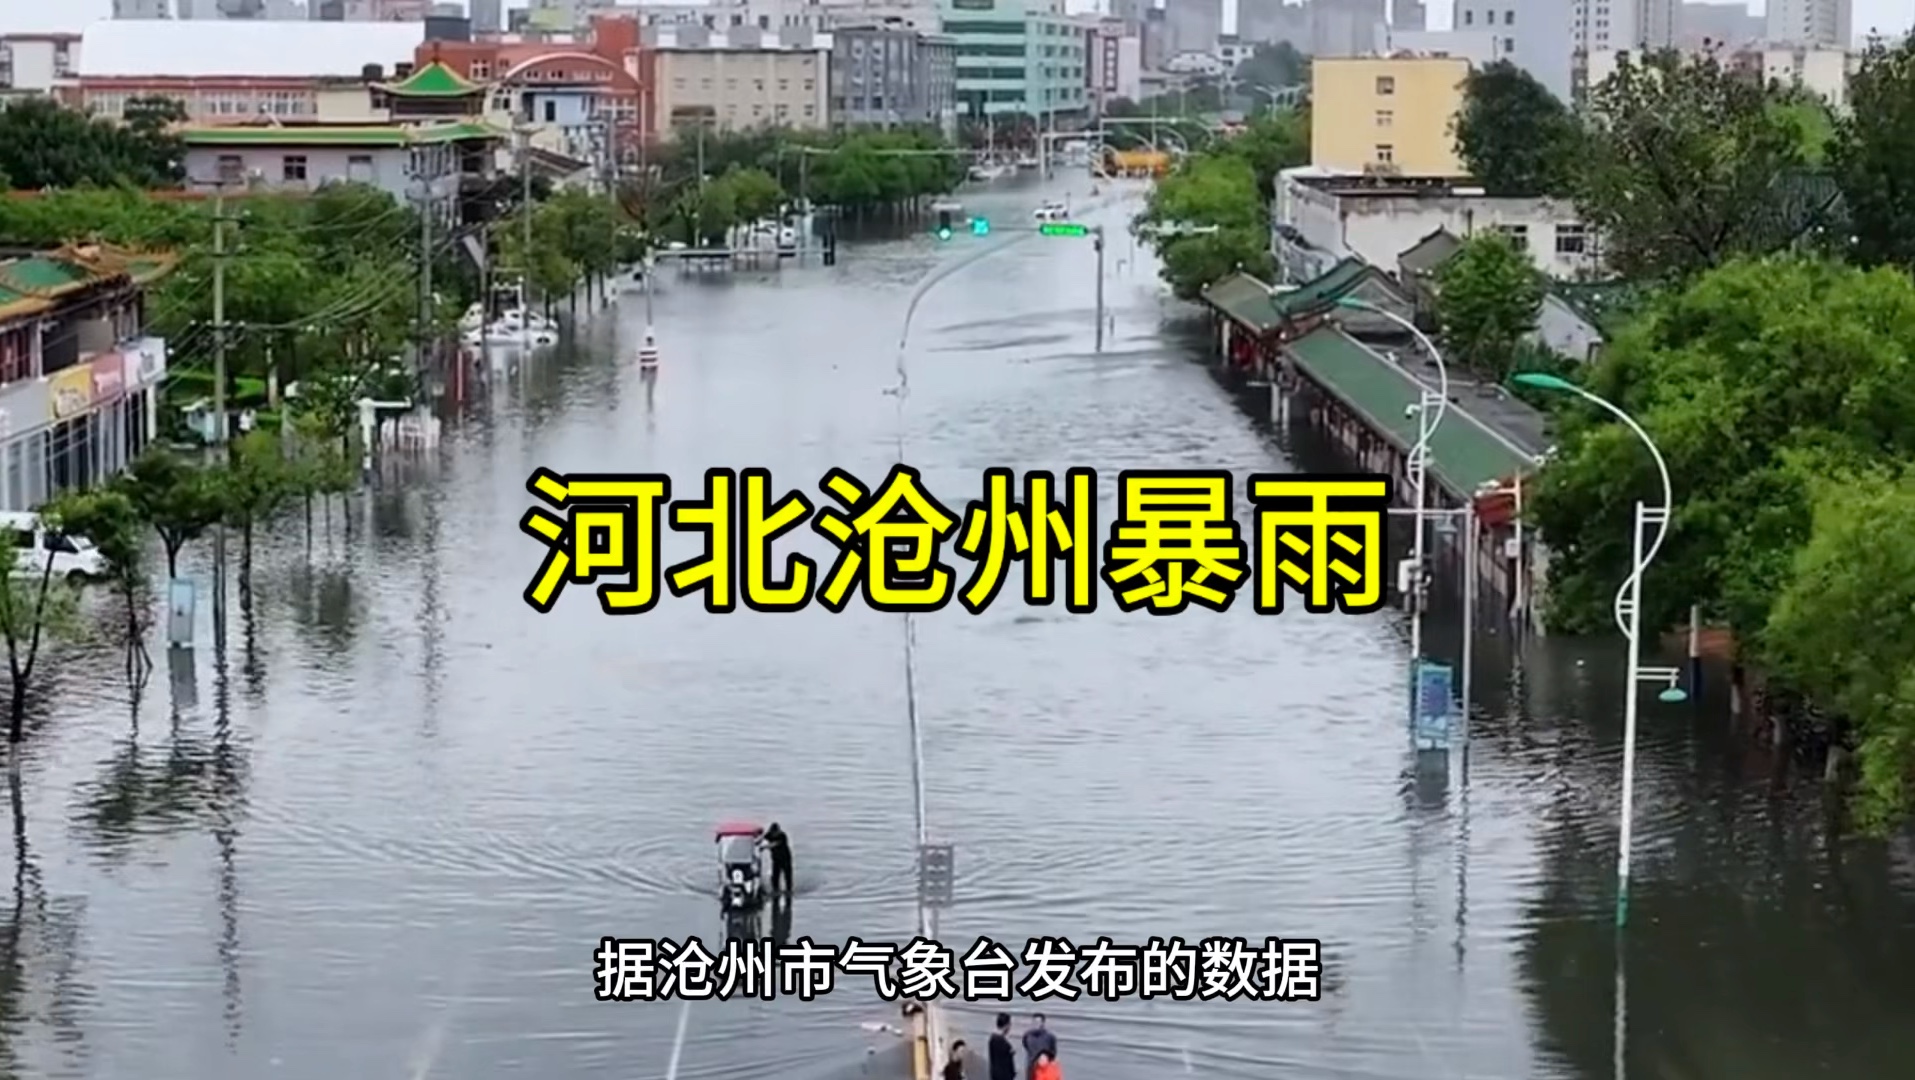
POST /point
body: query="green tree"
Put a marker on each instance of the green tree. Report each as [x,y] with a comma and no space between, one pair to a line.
[44,144]
[108,518]
[1843,629]
[1271,143]
[34,605]
[755,193]
[179,500]
[1686,164]
[256,481]
[1515,137]
[1488,297]
[1274,65]
[1756,381]
[1873,155]
[1208,190]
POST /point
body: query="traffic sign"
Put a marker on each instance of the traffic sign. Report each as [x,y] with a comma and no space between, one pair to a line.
[1063,228]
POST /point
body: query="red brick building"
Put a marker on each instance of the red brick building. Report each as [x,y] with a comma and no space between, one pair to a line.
[563,83]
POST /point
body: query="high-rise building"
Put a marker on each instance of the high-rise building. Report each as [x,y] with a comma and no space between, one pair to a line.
[1535,35]
[142,9]
[1718,23]
[1409,15]
[488,16]
[1811,23]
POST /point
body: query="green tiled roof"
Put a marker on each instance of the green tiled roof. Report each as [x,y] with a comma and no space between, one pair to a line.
[1464,453]
[1429,253]
[35,284]
[433,80]
[321,135]
[1246,300]
[1250,302]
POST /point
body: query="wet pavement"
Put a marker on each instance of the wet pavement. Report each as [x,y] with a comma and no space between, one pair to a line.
[380,834]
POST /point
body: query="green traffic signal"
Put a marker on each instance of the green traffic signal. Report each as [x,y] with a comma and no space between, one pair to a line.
[1063,228]
[944,233]
[980,227]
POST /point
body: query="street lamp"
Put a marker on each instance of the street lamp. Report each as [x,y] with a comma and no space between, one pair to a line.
[1628,609]
[1429,409]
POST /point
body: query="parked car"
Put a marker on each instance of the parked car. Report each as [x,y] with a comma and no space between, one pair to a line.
[1051,211]
[74,557]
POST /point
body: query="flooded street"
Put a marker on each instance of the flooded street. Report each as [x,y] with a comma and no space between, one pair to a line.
[381,833]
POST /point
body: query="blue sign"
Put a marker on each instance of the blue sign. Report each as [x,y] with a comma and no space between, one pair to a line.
[1434,710]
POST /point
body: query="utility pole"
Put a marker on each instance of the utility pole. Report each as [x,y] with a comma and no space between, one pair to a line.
[219,402]
[525,238]
[1097,241]
[428,175]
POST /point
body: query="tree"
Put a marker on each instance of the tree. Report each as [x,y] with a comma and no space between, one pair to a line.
[177,499]
[1843,630]
[1271,143]
[1873,155]
[1757,381]
[1488,297]
[107,517]
[255,483]
[1686,165]
[1514,136]
[44,144]
[33,605]
[1274,65]
[1208,190]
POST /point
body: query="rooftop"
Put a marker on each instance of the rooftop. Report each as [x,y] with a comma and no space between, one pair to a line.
[435,80]
[34,284]
[241,48]
[337,134]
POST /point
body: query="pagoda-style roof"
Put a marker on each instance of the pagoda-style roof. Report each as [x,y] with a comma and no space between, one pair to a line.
[435,80]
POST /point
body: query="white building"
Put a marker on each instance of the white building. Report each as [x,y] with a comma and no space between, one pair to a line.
[1617,26]
[1535,35]
[1825,71]
[36,63]
[1318,219]
[1827,23]
[1479,47]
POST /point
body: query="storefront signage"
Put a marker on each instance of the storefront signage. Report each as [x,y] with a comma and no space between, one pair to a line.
[973,5]
[1110,65]
[145,363]
[70,392]
[109,377]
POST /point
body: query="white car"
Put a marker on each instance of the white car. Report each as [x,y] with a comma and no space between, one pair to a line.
[1051,211]
[74,557]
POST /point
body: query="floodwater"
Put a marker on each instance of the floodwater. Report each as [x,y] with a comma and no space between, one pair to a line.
[380,833]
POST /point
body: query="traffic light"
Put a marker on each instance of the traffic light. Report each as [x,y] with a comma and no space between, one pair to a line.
[944,224]
[980,226]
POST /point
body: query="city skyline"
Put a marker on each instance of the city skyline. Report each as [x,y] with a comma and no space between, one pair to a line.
[37,16]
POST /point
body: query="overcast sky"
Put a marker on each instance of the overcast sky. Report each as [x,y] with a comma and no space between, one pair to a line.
[1888,15]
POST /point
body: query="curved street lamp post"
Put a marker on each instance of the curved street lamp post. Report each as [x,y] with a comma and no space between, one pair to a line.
[1430,408]
[1628,610]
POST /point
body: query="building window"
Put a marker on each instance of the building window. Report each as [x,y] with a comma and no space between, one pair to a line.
[1385,118]
[1509,18]
[1572,240]
[481,69]
[293,167]
[1385,85]
[231,168]
[1509,44]
[1469,18]
[1518,234]
[1385,153]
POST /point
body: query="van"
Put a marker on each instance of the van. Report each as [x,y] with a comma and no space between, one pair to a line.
[74,557]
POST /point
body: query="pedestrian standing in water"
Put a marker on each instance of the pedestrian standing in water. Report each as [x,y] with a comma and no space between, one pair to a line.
[954,1068]
[1038,1040]
[1003,1058]
[779,845]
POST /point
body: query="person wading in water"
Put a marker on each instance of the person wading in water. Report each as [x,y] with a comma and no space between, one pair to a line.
[779,845]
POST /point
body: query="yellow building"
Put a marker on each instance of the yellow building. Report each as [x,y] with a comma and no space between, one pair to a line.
[1386,114]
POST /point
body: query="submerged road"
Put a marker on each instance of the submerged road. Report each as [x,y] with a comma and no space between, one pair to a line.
[382,833]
